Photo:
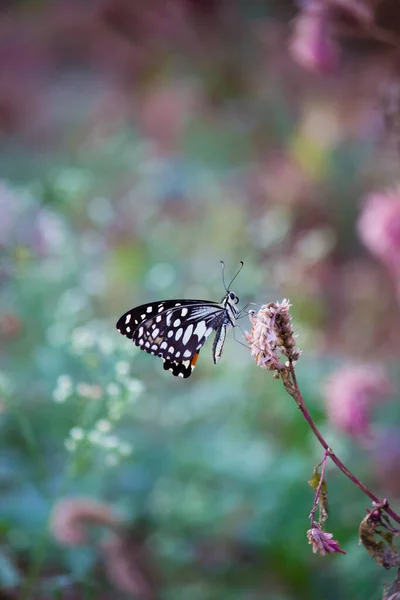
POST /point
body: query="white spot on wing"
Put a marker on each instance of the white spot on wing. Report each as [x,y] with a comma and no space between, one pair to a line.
[178,334]
[177,354]
[163,345]
[128,318]
[187,334]
[171,349]
[177,322]
[149,309]
[200,329]
[155,333]
[160,308]
[158,319]
[170,333]
[177,304]
[128,329]
[187,354]
[184,312]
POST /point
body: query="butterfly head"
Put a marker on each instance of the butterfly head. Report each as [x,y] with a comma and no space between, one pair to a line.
[230,298]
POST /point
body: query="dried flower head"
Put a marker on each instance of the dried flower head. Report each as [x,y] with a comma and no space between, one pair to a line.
[377,535]
[71,517]
[351,393]
[322,541]
[271,336]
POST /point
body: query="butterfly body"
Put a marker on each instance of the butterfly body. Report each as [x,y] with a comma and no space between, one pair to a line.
[175,330]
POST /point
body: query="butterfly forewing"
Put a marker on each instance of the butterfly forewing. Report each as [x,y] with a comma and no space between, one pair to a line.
[174,330]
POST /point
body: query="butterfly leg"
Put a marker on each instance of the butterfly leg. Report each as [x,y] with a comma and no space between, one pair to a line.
[238,341]
[243,311]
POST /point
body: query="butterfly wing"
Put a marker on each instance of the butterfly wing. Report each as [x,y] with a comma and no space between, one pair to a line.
[174,330]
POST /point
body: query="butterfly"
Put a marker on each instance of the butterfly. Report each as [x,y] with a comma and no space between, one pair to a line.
[176,330]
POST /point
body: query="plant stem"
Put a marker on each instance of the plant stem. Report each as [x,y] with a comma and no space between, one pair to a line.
[292,387]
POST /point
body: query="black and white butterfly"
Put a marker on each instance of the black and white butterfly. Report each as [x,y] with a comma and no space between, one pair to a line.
[175,330]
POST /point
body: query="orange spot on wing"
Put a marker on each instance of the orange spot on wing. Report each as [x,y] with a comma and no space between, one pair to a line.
[194,359]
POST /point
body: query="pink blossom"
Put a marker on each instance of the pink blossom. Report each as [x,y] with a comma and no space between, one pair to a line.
[379,227]
[351,393]
[322,541]
[72,516]
[312,45]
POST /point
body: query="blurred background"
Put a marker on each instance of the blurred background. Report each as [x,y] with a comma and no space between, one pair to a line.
[142,143]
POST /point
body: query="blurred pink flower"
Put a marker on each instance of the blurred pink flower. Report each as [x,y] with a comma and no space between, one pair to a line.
[312,44]
[379,228]
[351,393]
[72,516]
[322,541]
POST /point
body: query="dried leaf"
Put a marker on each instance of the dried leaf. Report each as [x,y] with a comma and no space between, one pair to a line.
[383,552]
[322,496]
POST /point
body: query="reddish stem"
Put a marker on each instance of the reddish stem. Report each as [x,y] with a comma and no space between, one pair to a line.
[297,395]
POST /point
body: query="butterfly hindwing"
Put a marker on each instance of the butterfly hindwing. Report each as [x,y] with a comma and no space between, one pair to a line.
[183,368]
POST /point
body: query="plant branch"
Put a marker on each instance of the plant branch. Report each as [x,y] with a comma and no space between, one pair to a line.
[292,387]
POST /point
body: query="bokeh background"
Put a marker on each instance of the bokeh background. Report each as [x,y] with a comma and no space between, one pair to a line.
[142,143]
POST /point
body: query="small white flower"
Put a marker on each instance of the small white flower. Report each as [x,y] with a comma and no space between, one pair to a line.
[103,425]
[77,433]
[59,396]
[64,382]
[122,368]
[134,386]
[113,389]
[63,389]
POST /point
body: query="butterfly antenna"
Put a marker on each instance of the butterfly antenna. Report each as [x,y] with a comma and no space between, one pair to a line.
[223,274]
[240,268]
